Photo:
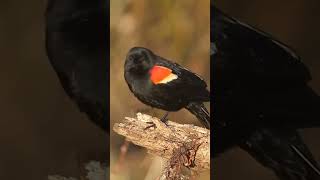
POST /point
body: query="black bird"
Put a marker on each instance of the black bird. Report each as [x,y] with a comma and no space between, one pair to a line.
[77,36]
[162,84]
[261,97]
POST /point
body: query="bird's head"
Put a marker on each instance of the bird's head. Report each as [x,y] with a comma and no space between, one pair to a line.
[139,61]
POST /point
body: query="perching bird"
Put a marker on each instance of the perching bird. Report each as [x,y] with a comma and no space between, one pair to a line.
[166,85]
[77,36]
[261,97]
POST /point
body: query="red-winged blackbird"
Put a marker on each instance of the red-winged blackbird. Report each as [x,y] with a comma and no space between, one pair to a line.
[77,47]
[162,84]
[262,97]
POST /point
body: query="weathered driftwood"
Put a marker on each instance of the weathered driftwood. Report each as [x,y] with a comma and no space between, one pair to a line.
[181,144]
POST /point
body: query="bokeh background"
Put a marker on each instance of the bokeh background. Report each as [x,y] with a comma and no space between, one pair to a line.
[176,30]
[41,130]
[296,23]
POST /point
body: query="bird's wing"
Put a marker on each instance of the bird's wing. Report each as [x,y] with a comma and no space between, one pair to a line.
[253,72]
[284,152]
[252,55]
[187,84]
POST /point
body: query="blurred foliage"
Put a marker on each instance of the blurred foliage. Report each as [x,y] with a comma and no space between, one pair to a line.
[177,30]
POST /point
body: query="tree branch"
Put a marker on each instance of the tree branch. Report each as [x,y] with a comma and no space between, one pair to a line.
[182,145]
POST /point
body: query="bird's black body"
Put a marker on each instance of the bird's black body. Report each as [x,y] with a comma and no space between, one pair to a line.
[261,98]
[77,46]
[186,91]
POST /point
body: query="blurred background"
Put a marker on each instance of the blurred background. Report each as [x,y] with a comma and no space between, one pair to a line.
[297,24]
[176,30]
[42,131]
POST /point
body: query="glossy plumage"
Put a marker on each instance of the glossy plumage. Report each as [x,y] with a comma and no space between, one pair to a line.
[77,47]
[188,90]
[261,98]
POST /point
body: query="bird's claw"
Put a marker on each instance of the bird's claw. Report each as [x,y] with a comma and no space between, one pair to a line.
[152,124]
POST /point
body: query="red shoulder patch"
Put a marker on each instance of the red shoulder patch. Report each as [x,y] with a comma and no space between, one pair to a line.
[160,74]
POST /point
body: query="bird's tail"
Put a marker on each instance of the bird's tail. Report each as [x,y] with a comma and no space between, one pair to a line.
[284,152]
[201,112]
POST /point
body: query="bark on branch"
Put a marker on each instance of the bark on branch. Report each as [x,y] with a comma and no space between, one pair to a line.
[181,144]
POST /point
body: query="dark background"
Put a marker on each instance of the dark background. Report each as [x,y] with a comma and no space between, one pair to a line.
[41,130]
[297,24]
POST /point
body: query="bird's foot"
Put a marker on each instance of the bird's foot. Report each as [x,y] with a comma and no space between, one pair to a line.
[164,119]
[152,124]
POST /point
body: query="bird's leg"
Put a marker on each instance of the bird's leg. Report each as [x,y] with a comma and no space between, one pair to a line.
[164,118]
